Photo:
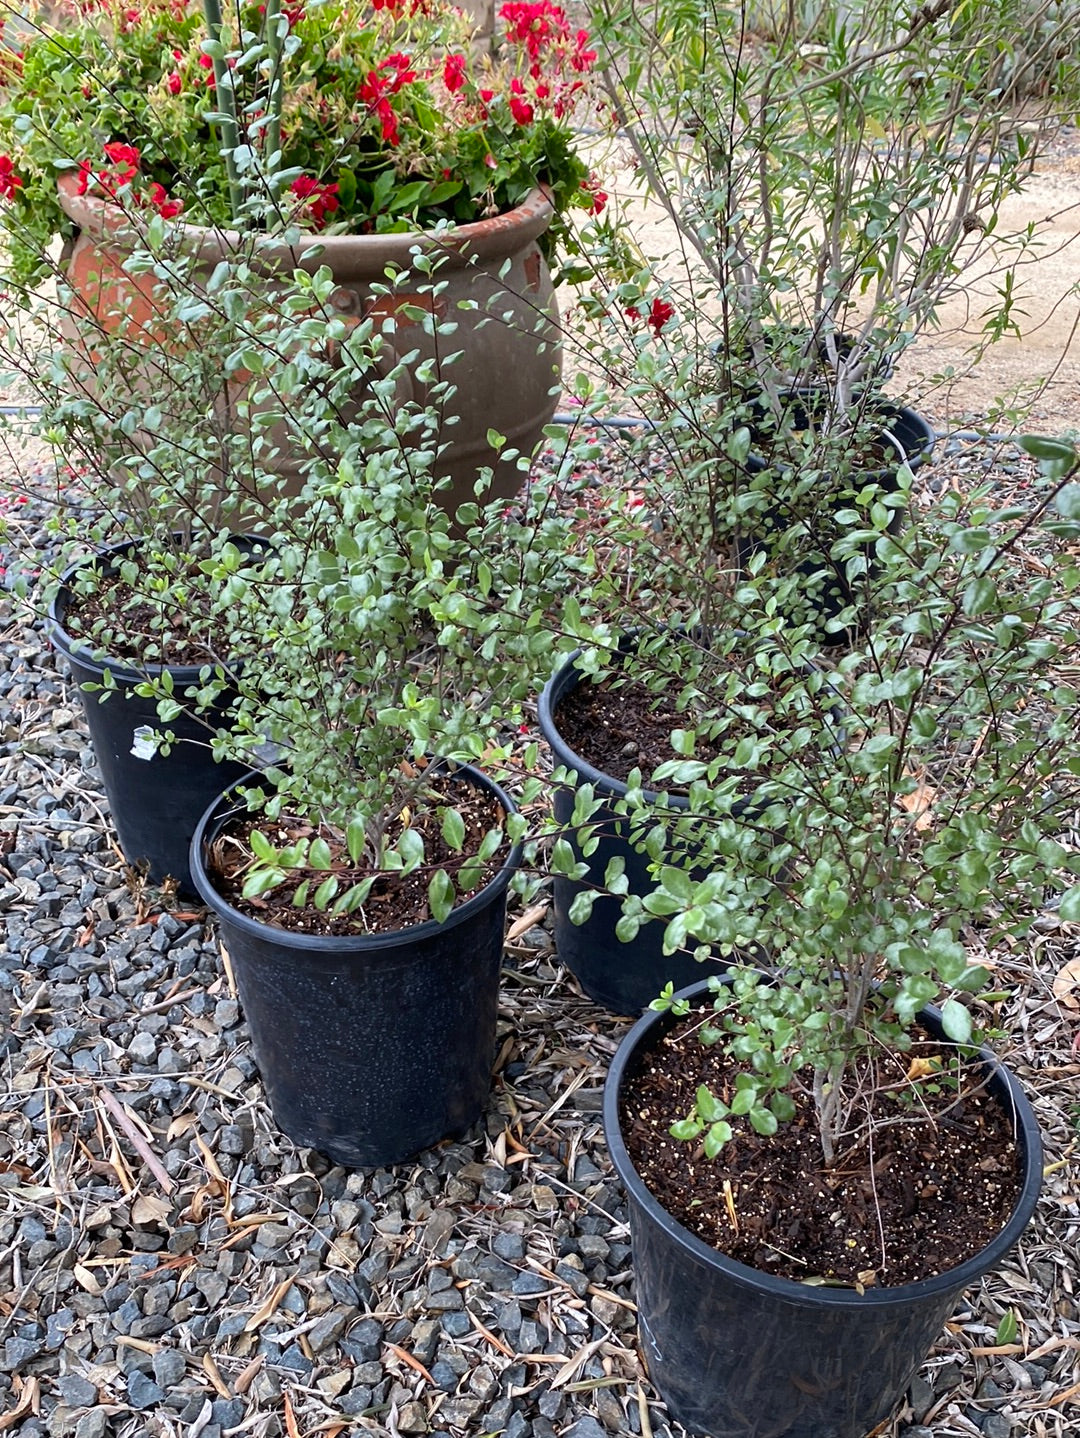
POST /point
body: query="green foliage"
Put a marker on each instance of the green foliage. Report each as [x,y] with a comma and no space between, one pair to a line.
[860,787]
[330,116]
[835,172]
[377,634]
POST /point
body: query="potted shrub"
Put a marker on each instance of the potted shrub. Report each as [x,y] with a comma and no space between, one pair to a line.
[618,716]
[120,574]
[836,172]
[828,177]
[360,875]
[141,670]
[333,133]
[818,1160]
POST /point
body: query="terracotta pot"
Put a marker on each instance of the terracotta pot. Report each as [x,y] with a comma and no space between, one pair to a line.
[511,358]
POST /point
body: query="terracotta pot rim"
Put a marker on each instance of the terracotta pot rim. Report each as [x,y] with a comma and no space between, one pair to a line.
[480,239]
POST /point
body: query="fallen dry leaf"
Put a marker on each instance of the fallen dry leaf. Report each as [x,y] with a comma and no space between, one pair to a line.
[526,921]
[183,1123]
[149,1209]
[265,1311]
[290,1418]
[922,1068]
[29,1401]
[413,1363]
[1067,985]
[213,1372]
[86,1280]
[918,804]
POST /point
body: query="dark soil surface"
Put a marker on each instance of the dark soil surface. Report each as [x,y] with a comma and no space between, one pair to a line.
[397,901]
[133,630]
[619,727]
[910,1195]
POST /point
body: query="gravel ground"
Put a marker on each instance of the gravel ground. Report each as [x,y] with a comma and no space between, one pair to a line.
[171,1265]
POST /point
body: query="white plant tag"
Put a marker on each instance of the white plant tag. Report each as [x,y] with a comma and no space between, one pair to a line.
[145,746]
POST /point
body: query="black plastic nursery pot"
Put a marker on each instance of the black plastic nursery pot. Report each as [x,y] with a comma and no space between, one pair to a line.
[738,1353]
[155,803]
[623,977]
[371,1047]
[826,579]
[816,378]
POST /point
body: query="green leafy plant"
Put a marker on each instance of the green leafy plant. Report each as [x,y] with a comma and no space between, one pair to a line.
[329,116]
[391,642]
[866,821]
[832,174]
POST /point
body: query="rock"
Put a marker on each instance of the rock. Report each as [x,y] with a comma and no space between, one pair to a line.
[143,1392]
[949,1376]
[327,1330]
[76,1391]
[529,1285]
[425,1340]
[921,1398]
[996,1425]
[18,1352]
[169,1368]
[510,1246]
[412,1418]
[586,1427]
[93,1424]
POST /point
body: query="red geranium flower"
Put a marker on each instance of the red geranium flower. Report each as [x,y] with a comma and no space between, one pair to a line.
[597,197]
[321,200]
[166,208]
[520,108]
[454,73]
[659,314]
[9,180]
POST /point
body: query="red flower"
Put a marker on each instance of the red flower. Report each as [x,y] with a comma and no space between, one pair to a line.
[659,314]
[375,90]
[120,153]
[582,60]
[9,180]
[534,25]
[597,197]
[166,208]
[454,73]
[399,64]
[174,82]
[388,123]
[321,200]
[124,159]
[85,173]
[520,108]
